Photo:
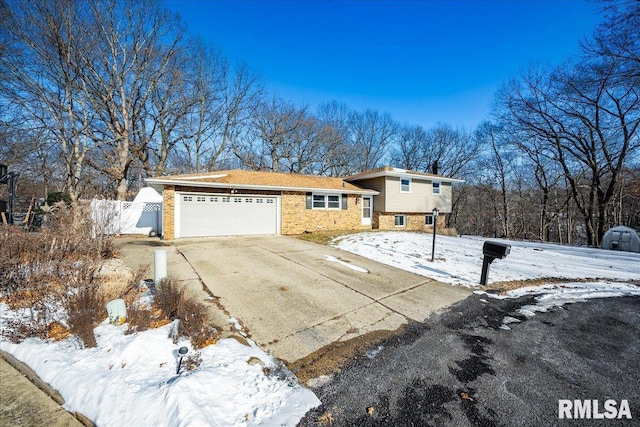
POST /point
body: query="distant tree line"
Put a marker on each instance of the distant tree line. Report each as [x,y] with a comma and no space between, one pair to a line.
[97,95]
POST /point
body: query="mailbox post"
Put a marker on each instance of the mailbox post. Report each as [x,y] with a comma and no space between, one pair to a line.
[491,251]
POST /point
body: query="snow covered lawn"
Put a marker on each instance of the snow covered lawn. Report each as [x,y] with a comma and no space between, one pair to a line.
[131,380]
[458,260]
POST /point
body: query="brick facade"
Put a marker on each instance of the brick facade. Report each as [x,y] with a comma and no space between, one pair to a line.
[414,221]
[168,210]
[297,219]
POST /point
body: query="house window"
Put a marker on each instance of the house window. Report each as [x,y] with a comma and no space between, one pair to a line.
[326,201]
[428,219]
[405,185]
[399,220]
[435,185]
[319,201]
[333,202]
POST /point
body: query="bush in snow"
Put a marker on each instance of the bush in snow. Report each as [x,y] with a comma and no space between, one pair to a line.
[41,272]
[173,304]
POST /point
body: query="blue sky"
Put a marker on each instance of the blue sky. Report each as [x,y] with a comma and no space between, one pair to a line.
[421,61]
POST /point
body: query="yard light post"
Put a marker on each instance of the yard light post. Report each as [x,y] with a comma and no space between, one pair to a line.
[435,226]
[182,351]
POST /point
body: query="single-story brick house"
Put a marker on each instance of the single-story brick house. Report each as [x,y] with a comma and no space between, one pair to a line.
[237,202]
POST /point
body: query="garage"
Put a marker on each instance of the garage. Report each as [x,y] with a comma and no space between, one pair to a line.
[204,215]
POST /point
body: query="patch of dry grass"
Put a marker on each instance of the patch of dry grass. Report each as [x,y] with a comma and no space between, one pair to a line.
[504,287]
[324,237]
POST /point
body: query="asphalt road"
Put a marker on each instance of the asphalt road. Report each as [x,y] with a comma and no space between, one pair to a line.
[459,369]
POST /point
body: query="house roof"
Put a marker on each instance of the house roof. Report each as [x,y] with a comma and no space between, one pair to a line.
[391,171]
[258,180]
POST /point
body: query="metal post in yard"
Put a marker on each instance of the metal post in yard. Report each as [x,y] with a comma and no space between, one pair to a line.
[435,226]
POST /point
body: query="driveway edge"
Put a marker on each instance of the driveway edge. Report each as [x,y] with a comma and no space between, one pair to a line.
[34,379]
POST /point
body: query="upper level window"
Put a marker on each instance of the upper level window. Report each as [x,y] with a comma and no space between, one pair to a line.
[326,201]
[436,187]
[405,185]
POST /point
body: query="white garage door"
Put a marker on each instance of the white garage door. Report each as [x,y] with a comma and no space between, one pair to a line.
[203,215]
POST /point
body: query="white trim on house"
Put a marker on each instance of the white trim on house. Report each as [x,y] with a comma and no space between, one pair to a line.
[402,173]
[176,214]
[158,183]
[428,219]
[366,220]
[325,204]
[433,188]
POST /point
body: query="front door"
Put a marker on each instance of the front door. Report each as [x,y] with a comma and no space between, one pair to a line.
[367,209]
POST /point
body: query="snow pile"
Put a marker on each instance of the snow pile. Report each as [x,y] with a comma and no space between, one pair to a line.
[132,380]
[458,260]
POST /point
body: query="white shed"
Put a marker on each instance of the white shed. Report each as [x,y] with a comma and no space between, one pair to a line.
[621,238]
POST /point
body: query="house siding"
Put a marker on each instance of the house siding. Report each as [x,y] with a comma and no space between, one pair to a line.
[421,198]
[378,184]
[297,219]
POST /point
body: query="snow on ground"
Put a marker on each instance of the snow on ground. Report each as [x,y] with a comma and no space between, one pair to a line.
[458,260]
[131,380]
[346,264]
[556,295]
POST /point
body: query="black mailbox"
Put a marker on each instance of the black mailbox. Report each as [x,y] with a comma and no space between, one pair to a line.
[491,251]
[496,250]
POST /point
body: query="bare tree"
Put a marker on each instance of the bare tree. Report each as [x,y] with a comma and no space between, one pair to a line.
[453,150]
[40,68]
[134,42]
[281,137]
[370,135]
[617,38]
[337,157]
[588,120]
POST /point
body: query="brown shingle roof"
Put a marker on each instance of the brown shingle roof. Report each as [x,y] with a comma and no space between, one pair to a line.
[261,179]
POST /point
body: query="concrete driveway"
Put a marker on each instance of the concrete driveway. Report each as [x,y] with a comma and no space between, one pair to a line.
[295,297]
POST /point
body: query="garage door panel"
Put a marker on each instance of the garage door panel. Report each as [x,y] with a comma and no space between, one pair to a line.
[214,215]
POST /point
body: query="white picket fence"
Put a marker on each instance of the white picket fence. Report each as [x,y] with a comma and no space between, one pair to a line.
[118,217]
